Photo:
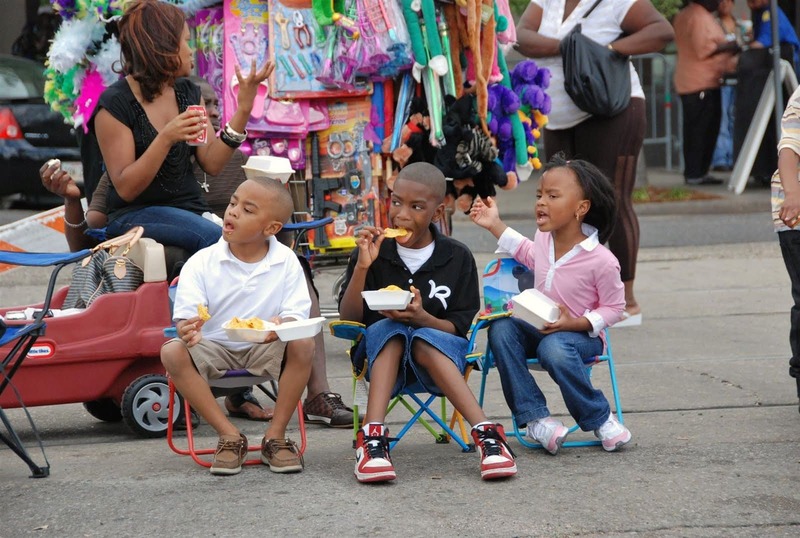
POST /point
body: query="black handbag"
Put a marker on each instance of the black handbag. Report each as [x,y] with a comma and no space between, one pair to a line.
[597,78]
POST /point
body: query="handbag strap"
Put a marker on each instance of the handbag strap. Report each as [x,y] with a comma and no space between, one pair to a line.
[591,9]
[129,238]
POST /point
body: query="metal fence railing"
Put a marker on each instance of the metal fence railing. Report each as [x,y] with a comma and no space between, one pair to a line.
[664,114]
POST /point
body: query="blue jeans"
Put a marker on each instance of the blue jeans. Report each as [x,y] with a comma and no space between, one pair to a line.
[562,355]
[169,226]
[723,151]
[410,375]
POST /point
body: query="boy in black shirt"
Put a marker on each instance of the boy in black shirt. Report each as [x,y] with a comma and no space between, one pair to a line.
[425,343]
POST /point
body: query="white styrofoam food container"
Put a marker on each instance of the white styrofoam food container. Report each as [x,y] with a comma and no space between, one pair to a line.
[387,299]
[295,330]
[248,335]
[265,166]
[535,307]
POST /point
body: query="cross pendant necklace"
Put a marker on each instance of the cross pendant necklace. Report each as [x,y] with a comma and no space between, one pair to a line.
[204,184]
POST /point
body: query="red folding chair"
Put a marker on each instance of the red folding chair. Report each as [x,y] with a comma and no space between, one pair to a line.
[231,380]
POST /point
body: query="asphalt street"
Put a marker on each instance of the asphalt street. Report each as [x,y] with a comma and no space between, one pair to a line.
[703,383]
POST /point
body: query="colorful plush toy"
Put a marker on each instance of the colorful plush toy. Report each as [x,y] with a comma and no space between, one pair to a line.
[415,143]
[503,103]
[529,83]
[469,157]
[426,43]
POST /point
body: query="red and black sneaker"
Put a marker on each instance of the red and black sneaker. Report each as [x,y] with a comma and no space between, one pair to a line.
[373,463]
[497,459]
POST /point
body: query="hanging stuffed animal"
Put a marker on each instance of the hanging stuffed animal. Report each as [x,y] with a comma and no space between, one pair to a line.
[503,103]
[529,83]
[426,43]
[469,157]
[415,143]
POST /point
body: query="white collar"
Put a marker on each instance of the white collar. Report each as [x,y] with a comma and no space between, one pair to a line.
[592,237]
[274,255]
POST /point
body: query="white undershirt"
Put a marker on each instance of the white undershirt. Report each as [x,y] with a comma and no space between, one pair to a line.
[414,258]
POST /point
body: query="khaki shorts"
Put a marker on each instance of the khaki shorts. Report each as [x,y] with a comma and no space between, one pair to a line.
[212,359]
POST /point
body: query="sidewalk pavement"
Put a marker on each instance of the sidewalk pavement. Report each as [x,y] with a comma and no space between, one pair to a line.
[518,203]
[704,385]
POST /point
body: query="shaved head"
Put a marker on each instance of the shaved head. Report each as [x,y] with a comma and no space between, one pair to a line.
[282,205]
[428,175]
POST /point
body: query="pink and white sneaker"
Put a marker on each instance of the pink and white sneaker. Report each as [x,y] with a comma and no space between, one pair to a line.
[548,432]
[613,434]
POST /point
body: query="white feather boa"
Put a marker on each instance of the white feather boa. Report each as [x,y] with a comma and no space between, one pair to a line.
[72,40]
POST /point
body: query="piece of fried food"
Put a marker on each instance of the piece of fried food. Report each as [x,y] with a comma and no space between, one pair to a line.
[395,232]
[392,287]
[202,311]
[249,323]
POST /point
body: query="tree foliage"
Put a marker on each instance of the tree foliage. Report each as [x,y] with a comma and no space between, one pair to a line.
[668,8]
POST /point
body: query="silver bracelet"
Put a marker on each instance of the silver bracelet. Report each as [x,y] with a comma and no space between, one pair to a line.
[233,134]
[70,225]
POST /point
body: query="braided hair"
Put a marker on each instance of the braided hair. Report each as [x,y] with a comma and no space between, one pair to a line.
[596,188]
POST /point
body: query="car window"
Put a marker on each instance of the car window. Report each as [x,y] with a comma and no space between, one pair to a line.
[20,79]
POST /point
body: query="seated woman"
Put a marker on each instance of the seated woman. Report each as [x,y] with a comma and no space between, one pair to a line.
[143,124]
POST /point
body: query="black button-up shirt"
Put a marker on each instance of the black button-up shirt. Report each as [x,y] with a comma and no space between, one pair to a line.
[447,281]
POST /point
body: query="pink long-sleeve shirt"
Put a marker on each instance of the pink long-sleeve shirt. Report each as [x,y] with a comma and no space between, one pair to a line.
[586,279]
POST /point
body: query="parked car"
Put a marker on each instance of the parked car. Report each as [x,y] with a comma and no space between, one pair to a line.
[30,132]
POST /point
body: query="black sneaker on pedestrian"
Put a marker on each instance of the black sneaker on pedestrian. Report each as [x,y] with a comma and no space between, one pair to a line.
[705,180]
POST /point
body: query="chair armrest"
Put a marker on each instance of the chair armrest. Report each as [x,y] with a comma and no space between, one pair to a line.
[349,330]
[496,315]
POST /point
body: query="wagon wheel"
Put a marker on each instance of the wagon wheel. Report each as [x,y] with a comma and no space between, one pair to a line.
[145,405]
[104,409]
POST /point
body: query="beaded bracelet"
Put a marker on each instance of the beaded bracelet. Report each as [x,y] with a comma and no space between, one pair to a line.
[70,225]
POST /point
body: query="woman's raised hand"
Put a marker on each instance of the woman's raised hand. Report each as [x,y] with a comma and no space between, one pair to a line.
[248,85]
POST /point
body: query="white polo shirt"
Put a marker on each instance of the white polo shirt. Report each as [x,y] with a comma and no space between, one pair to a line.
[603,26]
[216,278]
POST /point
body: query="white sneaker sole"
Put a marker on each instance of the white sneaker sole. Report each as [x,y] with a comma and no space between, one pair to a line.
[505,472]
[224,471]
[384,476]
[619,444]
[285,469]
[559,443]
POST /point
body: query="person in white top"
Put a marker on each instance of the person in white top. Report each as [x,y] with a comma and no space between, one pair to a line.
[247,274]
[611,143]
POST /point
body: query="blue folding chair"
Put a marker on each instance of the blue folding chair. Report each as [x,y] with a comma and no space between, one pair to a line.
[24,334]
[502,279]
[414,394]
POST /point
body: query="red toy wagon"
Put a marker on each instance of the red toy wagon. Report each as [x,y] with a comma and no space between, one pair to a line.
[106,356]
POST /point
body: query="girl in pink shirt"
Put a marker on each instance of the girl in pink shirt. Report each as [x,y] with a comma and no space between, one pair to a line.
[575,212]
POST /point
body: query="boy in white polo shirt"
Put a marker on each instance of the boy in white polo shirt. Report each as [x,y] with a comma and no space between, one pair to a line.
[248,273]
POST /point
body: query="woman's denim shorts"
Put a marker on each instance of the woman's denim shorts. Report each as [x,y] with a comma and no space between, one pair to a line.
[410,375]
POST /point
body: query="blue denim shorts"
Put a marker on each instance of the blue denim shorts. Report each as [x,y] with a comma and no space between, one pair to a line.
[410,375]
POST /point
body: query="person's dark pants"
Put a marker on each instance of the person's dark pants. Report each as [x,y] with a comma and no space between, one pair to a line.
[790,248]
[702,112]
[612,145]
